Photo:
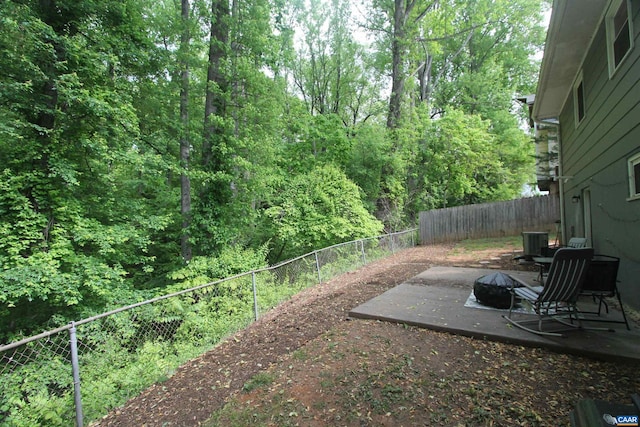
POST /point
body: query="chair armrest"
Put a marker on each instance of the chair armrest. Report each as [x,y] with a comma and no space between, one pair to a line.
[549,252]
[524,284]
[540,265]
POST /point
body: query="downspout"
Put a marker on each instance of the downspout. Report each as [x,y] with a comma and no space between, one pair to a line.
[561,181]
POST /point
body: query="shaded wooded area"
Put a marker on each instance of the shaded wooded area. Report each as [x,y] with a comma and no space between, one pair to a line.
[146,142]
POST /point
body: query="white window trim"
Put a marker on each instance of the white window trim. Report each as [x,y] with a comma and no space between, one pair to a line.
[634,193]
[610,30]
[579,81]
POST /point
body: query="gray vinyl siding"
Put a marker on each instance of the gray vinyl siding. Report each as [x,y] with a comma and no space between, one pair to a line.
[596,152]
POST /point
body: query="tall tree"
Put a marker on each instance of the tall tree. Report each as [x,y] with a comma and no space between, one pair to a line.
[483,63]
[260,49]
[215,189]
[480,39]
[185,142]
[334,72]
[398,24]
[217,85]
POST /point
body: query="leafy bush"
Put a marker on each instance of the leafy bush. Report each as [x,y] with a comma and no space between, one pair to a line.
[230,261]
[320,209]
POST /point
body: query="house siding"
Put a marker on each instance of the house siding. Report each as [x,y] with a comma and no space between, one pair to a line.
[595,155]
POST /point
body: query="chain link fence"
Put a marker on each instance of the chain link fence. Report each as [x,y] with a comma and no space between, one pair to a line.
[79,372]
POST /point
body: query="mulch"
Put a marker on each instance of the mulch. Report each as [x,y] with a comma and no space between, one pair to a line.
[206,384]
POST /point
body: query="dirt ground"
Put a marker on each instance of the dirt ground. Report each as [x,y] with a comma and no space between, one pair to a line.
[305,363]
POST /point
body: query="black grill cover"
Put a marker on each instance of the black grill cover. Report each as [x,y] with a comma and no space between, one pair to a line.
[493,289]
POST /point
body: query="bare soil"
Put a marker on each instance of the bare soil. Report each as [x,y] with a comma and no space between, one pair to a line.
[305,363]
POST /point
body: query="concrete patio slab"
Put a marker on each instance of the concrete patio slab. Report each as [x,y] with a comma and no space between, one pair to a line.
[436,298]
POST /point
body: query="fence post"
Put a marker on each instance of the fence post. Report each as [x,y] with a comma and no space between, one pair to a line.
[364,255]
[255,295]
[75,366]
[318,267]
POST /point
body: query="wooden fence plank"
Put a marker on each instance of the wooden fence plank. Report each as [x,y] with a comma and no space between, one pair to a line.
[489,220]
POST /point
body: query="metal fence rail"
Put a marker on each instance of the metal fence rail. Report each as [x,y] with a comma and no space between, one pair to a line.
[82,370]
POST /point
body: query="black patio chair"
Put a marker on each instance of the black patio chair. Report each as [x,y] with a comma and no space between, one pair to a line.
[602,282]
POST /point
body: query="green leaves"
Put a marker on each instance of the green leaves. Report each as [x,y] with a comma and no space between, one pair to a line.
[319,209]
[230,261]
[454,149]
[101,128]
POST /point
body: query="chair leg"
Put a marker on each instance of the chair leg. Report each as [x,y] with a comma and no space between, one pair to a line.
[539,311]
[601,303]
[533,331]
[513,302]
[573,312]
[539,320]
[624,316]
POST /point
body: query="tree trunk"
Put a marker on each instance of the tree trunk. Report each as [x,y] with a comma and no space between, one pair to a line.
[216,81]
[185,143]
[397,74]
[424,77]
[404,23]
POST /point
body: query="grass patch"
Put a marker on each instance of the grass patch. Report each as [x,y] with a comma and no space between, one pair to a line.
[473,245]
[283,413]
[300,355]
[259,380]
[508,243]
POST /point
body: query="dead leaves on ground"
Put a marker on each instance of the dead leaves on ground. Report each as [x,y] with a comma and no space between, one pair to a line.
[373,373]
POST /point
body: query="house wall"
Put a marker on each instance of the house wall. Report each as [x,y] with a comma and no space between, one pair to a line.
[595,155]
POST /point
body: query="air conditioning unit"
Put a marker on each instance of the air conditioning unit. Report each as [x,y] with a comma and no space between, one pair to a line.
[533,242]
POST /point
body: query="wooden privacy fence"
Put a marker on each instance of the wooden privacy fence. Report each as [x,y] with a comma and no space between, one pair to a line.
[489,219]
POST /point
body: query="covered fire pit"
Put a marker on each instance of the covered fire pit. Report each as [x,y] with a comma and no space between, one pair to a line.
[493,289]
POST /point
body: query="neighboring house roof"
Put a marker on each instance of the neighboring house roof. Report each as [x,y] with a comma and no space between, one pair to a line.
[572,27]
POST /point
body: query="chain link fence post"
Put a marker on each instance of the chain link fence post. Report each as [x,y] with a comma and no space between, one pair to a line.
[318,266]
[364,255]
[75,366]
[255,295]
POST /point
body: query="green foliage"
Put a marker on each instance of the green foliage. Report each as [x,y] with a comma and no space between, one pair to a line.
[370,152]
[90,125]
[80,212]
[455,149]
[40,392]
[317,210]
[230,261]
[261,379]
[321,140]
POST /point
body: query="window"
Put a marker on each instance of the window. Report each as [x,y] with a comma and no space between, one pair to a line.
[619,33]
[578,99]
[634,177]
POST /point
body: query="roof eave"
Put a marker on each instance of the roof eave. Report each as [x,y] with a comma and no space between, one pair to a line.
[571,29]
